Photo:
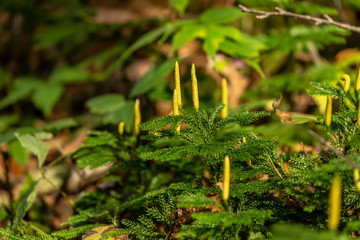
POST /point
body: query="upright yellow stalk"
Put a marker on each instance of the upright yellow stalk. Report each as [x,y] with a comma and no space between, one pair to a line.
[177,82]
[335,203]
[226,185]
[358,114]
[137,117]
[195,92]
[176,108]
[224,98]
[356,179]
[328,111]
[346,78]
[357,81]
[121,128]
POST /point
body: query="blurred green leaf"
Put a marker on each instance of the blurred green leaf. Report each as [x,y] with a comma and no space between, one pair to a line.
[18,153]
[69,74]
[301,232]
[187,33]
[46,95]
[7,120]
[21,89]
[35,145]
[105,103]
[61,124]
[221,15]
[49,36]
[27,197]
[179,5]
[124,114]
[152,78]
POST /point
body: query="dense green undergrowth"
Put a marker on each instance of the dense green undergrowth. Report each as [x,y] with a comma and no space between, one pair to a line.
[168,183]
[168,179]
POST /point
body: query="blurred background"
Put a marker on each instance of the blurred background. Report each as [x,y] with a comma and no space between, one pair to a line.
[84,62]
[67,66]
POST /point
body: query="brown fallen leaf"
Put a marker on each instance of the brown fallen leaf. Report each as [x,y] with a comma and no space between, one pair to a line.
[292,117]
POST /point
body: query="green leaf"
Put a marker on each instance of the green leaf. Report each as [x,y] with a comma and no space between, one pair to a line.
[187,33]
[22,88]
[54,35]
[105,103]
[27,198]
[152,78]
[216,34]
[124,114]
[46,95]
[144,40]
[35,145]
[61,124]
[179,5]
[221,15]
[18,153]
[8,120]
[69,74]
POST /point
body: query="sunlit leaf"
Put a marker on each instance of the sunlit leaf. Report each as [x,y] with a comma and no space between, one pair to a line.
[35,145]
[105,103]
[152,78]
[45,96]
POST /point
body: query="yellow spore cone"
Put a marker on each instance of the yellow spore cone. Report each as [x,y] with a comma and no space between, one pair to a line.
[226,185]
[177,82]
[328,110]
[357,81]
[195,92]
[224,98]
[137,117]
[335,203]
[356,179]
[358,114]
[121,128]
[176,108]
[347,80]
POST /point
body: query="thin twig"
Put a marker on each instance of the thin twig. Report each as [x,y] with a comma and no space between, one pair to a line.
[272,163]
[334,150]
[318,21]
[302,144]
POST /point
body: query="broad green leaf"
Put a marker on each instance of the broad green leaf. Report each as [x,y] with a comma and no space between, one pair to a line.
[22,88]
[46,95]
[27,197]
[221,15]
[123,114]
[7,120]
[187,33]
[18,153]
[141,42]
[179,5]
[61,124]
[35,145]
[216,34]
[144,40]
[238,49]
[152,78]
[69,74]
[50,36]
[105,103]
[256,66]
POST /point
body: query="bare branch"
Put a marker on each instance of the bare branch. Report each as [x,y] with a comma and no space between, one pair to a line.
[334,150]
[318,21]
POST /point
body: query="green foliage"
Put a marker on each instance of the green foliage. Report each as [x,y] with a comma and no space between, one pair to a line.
[163,184]
[35,144]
